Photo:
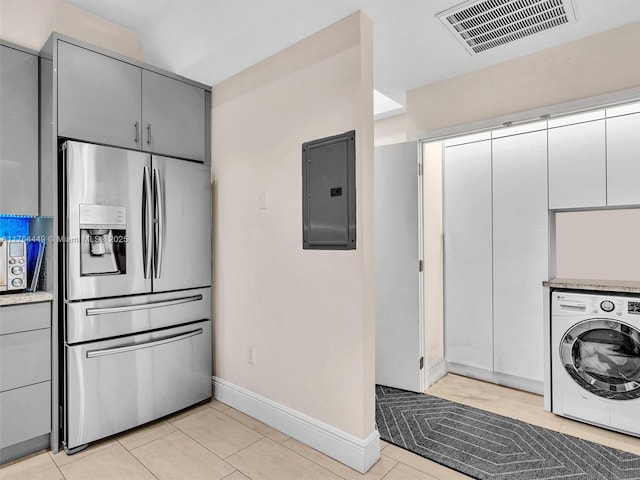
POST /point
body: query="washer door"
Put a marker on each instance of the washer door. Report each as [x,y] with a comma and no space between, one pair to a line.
[603,357]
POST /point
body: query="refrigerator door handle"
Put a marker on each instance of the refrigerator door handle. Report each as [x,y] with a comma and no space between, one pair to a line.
[147,223]
[138,346]
[142,306]
[159,207]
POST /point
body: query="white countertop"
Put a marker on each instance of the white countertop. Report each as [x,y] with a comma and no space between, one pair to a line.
[624,286]
[28,297]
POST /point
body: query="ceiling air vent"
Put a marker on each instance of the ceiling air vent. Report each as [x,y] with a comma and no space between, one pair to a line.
[485,24]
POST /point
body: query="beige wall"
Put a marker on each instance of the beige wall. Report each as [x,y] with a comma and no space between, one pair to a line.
[390,130]
[433,252]
[308,314]
[30,22]
[600,245]
[595,65]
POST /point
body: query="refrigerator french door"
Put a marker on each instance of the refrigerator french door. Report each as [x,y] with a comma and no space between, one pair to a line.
[137,306]
[135,223]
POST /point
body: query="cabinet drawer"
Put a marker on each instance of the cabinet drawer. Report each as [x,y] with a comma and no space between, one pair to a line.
[25,358]
[25,413]
[24,317]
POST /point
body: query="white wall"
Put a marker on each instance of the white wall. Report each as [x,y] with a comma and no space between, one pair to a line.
[309,314]
[30,22]
[434,257]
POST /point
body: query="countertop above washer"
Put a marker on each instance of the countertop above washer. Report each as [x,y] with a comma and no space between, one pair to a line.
[624,286]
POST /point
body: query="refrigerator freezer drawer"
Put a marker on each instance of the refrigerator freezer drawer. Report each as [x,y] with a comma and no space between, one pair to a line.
[98,319]
[115,385]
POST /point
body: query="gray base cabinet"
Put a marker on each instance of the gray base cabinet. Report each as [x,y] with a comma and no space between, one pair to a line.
[18,132]
[25,379]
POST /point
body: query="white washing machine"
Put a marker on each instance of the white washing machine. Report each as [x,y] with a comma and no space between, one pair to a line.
[595,359]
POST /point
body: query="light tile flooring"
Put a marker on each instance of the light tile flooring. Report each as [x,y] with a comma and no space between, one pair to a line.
[215,442]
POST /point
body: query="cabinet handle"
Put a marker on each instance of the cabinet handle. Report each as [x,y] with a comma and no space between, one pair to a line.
[149,134]
[135,126]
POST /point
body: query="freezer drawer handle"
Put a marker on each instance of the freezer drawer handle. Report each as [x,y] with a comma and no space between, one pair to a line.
[143,306]
[138,346]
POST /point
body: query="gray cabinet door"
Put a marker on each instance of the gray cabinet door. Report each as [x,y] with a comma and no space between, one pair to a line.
[520,253]
[173,117]
[25,413]
[468,255]
[18,132]
[25,358]
[99,98]
[577,166]
[623,160]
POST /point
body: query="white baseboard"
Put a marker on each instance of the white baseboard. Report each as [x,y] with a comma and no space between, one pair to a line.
[519,383]
[435,372]
[359,454]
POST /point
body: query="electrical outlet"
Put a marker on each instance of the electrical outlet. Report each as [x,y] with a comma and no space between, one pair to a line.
[252,355]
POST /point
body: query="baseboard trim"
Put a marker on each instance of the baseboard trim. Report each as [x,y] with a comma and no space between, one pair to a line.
[359,454]
[435,372]
[512,381]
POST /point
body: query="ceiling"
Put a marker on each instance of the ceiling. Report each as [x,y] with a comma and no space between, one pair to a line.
[211,40]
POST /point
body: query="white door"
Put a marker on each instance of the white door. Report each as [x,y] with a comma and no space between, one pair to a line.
[468,261]
[399,327]
[520,252]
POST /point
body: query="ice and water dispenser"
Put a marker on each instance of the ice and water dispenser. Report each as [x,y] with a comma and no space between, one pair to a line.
[103,239]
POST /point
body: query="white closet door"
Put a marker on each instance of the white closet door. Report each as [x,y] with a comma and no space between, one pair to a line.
[399,329]
[468,257]
[520,253]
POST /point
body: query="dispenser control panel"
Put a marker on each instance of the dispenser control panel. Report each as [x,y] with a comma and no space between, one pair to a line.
[112,217]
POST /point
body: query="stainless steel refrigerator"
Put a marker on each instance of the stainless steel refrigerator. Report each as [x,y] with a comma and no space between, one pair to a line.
[137,289]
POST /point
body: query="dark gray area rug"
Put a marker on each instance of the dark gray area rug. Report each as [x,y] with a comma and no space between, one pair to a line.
[485,445]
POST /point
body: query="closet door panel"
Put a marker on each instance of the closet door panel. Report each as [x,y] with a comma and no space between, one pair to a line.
[520,253]
[468,255]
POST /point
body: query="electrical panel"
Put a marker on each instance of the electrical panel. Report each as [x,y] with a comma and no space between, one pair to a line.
[328,193]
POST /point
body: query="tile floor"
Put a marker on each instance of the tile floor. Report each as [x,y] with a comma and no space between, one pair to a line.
[216,442]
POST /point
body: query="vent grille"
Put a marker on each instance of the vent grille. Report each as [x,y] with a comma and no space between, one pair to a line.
[485,24]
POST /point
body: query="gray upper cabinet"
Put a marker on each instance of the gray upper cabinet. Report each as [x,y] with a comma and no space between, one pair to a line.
[623,160]
[173,117]
[98,98]
[110,101]
[18,132]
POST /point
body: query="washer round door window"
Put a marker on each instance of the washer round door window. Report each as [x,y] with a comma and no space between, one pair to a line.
[603,357]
